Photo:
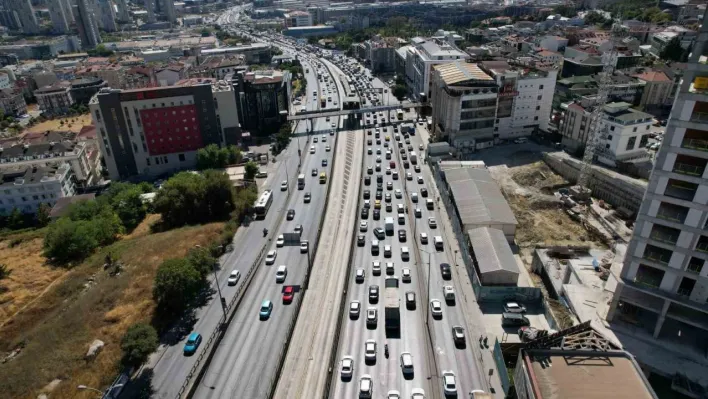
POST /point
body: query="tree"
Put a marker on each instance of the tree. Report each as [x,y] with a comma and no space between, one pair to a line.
[213,157]
[138,343]
[68,240]
[42,216]
[218,194]
[201,260]
[177,283]
[129,207]
[16,219]
[251,169]
[179,199]
[594,18]
[399,91]
[673,50]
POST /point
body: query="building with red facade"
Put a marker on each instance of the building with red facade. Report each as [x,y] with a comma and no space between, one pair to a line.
[146,133]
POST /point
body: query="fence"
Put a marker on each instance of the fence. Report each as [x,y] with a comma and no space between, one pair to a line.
[501,366]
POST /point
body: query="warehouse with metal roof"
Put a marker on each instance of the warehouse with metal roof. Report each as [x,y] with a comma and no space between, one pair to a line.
[493,258]
[477,199]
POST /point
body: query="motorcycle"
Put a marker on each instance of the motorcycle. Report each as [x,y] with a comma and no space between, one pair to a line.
[386,350]
[265,232]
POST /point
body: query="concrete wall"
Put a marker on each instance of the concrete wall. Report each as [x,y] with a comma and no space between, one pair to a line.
[605,184]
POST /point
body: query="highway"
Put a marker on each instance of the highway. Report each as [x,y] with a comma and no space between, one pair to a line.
[246,360]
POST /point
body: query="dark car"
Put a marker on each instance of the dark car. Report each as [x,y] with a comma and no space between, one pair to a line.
[514,320]
[379,194]
[291,214]
[445,271]
[424,192]
[379,178]
[368,142]
[364,213]
[314,172]
[307,198]
[410,300]
[377,214]
[360,240]
[380,233]
[406,164]
[379,186]
[401,235]
[458,336]
[324,162]
[373,293]
[367,194]
[367,180]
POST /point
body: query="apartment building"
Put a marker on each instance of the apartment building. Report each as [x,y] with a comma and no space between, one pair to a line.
[663,287]
[146,133]
[421,56]
[12,102]
[464,104]
[525,96]
[25,188]
[657,89]
[262,99]
[55,99]
[294,19]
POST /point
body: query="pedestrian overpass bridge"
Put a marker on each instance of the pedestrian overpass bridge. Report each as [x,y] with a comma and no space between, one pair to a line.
[323,113]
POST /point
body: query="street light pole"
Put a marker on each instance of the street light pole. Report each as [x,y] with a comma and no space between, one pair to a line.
[218,288]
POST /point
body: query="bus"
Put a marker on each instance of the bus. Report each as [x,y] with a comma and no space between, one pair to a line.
[399,114]
[263,204]
[323,178]
[301,181]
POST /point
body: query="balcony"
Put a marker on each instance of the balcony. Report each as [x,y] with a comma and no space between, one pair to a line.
[681,189]
[690,166]
[648,276]
[695,140]
[695,265]
[672,213]
[702,244]
[667,235]
[700,111]
[656,254]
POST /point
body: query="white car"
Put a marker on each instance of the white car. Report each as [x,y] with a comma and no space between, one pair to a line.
[423,238]
[366,387]
[363,226]
[234,277]
[406,275]
[354,309]
[304,246]
[376,267]
[370,350]
[284,186]
[270,257]
[328,148]
[398,193]
[420,179]
[432,223]
[448,293]
[405,253]
[409,176]
[312,149]
[371,316]
[417,393]
[392,394]
[449,384]
[436,308]
[280,241]
[347,367]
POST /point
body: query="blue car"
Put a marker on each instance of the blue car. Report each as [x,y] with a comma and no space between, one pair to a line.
[192,343]
[266,308]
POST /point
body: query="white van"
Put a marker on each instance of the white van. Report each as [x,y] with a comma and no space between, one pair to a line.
[281,273]
[438,242]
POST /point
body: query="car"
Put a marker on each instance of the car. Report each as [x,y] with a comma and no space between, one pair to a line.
[367,204]
[387,251]
[436,308]
[377,167]
[398,193]
[379,233]
[379,178]
[364,213]
[193,342]
[377,214]
[370,170]
[406,164]
[378,159]
[424,192]
[346,367]
[314,172]
[448,293]
[314,139]
[281,273]
[514,307]
[291,214]
[370,350]
[445,271]
[387,197]
[417,393]
[354,309]
[449,383]
[418,213]
[367,180]
[390,269]
[324,138]
[406,275]
[393,394]
[360,275]
[284,186]
[432,223]
[270,257]
[366,387]
[514,320]
[363,226]
[416,168]
[388,171]
[458,335]
[378,151]
[405,253]
[234,277]
[376,267]
[304,246]
[410,300]
[328,148]
[373,293]
[312,149]
[420,147]
[402,235]
[265,310]
[371,317]
[307,198]
[420,179]
[360,240]
[389,185]
[298,228]
[324,162]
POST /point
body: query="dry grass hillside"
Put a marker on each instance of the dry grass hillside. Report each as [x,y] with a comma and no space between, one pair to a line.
[52,314]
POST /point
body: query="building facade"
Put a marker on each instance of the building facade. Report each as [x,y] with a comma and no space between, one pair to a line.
[624,134]
[55,99]
[296,19]
[26,188]
[262,98]
[421,57]
[86,22]
[22,12]
[145,133]
[664,280]
[57,12]
[12,102]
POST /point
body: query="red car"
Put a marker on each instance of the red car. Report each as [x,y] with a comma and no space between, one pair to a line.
[288,294]
[392,164]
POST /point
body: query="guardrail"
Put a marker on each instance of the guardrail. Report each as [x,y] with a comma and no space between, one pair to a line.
[291,326]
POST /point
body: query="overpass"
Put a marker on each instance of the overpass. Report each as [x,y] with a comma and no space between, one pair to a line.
[336,112]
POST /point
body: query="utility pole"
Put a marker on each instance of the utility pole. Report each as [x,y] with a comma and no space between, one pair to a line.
[218,288]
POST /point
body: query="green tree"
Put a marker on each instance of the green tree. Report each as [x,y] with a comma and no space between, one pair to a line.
[16,219]
[42,216]
[399,91]
[201,260]
[180,198]
[218,194]
[213,157]
[177,283]
[138,343]
[68,240]
[594,18]
[129,207]
[251,169]
[673,50]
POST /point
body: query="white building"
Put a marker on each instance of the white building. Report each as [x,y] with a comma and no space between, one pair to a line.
[295,19]
[525,97]
[624,134]
[421,56]
[25,188]
[552,43]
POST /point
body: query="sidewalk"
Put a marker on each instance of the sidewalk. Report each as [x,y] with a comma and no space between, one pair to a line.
[473,314]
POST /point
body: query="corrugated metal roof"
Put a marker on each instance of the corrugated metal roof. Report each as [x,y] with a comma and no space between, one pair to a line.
[492,250]
[456,72]
[478,198]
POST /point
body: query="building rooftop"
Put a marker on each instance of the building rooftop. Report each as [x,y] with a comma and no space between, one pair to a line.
[622,112]
[492,251]
[652,76]
[585,374]
[60,85]
[263,76]
[433,50]
[31,175]
[477,196]
[457,72]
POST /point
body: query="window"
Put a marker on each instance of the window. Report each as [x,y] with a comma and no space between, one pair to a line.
[631,142]
[695,265]
[181,158]
[612,128]
[540,87]
[634,130]
[538,107]
[535,118]
[147,161]
[539,98]
[165,158]
[609,137]
[644,141]
[607,146]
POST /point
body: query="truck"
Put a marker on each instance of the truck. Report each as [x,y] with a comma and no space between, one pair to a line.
[392,313]
[414,158]
[301,181]
[389,225]
[323,101]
